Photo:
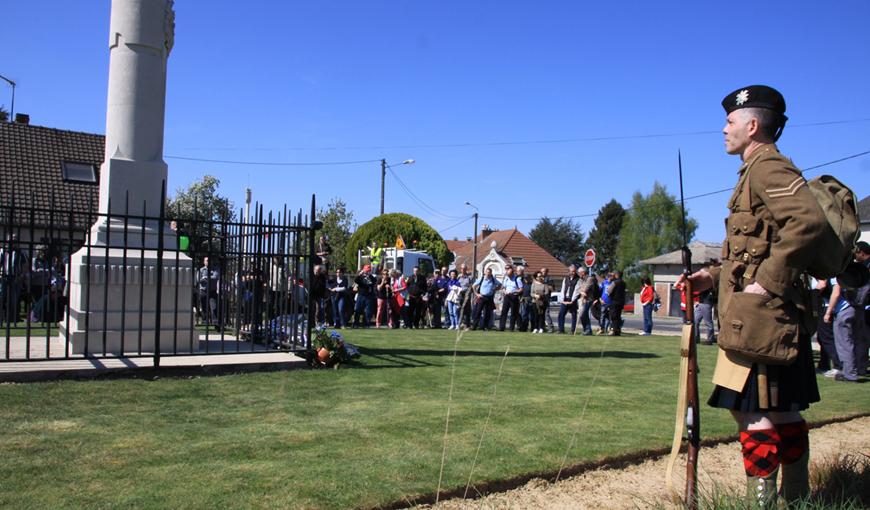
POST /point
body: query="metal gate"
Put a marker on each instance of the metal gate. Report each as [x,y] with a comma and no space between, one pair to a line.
[209,286]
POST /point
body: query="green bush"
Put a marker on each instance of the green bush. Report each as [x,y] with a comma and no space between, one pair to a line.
[387,227]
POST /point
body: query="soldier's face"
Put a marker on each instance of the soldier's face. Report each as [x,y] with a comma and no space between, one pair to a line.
[737,132]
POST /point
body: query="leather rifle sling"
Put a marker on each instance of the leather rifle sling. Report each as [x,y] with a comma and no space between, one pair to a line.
[680,420]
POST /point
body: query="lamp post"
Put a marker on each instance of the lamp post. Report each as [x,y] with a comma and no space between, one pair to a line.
[12,107]
[474,250]
[384,175]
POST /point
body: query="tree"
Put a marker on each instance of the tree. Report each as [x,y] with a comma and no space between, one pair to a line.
[387,227]
[338,224]
[653,226]
[562,238]
[604,237]
[197,209]
[4,114]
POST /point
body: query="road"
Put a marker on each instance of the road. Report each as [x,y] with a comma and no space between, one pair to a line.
[634,323]
[661,326]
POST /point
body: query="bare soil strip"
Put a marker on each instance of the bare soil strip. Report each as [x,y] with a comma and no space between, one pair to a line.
[641,483]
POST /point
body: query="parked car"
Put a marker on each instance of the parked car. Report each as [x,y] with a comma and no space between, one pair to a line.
[555,299]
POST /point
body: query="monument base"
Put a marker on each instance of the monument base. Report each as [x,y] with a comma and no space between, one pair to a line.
[114,306]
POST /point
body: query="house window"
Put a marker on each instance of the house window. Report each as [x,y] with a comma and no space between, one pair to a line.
[79,172]
[518,261]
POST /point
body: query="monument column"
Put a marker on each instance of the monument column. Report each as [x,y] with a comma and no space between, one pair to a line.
[102,278]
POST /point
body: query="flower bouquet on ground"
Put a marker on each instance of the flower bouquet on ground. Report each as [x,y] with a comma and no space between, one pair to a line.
[330,350]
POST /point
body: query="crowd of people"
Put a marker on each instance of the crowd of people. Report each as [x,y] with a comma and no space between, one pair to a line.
[31,288]
[248,294]
[386,298]
[453,299]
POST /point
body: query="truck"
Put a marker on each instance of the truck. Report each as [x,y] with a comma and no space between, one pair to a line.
[402,259]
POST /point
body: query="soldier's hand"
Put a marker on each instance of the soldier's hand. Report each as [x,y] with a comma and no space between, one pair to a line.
[701,280]
[756,288]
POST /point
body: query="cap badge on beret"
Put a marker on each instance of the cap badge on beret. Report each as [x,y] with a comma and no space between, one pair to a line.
[742,97]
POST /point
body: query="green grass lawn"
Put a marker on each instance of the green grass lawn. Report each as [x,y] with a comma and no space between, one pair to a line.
[355,437]
[37,330]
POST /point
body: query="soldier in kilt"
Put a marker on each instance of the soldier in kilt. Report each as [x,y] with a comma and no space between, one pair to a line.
[772,234]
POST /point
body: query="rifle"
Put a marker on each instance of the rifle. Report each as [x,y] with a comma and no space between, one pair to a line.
[688,410]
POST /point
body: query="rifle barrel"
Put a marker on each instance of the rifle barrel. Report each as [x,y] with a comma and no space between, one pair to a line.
[693,413]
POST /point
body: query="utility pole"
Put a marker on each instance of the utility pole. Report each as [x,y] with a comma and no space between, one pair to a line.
[383,177]
[474,251]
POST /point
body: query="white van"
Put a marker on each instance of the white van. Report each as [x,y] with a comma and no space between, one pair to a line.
[402,259]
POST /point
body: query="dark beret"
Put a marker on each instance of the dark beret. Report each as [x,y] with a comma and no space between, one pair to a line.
[755,96]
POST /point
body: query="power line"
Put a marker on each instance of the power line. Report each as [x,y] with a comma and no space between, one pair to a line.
[413,197]
[419,200]
[710,193]
[853,156]
[492,144]
[274,163]
[455,225]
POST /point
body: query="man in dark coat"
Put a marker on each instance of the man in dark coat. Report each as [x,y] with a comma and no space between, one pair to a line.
[617,302]
[416,291]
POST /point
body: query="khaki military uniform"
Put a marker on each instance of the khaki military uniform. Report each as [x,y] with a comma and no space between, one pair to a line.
[771,237]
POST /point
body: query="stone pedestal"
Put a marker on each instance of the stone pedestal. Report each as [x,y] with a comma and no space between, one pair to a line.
[107,301]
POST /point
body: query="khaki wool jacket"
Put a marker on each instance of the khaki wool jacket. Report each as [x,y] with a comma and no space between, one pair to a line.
[772,242]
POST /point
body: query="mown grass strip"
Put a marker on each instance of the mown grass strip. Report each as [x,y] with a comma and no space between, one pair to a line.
[359,437]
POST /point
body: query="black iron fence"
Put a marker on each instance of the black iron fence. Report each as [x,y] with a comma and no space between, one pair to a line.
[134,285]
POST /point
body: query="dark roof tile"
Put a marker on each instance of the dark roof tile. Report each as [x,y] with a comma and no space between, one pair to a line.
[31,173]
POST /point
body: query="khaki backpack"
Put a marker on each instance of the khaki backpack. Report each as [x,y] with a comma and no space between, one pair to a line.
[840,206]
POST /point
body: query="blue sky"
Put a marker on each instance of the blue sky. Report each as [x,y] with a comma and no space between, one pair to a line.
[526,109]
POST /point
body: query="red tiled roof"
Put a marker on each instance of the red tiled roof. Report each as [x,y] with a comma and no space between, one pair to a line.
[454,246]
[30,170]
[513,243]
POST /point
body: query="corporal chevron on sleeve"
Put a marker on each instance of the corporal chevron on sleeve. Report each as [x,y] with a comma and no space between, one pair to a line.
[787,191]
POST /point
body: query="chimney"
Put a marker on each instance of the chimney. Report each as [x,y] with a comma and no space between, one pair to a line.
[486,231]
[22,118]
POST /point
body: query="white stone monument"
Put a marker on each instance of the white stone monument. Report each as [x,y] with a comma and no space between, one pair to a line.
[132,175]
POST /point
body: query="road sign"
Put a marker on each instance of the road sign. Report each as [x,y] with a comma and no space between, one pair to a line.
[589,258]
